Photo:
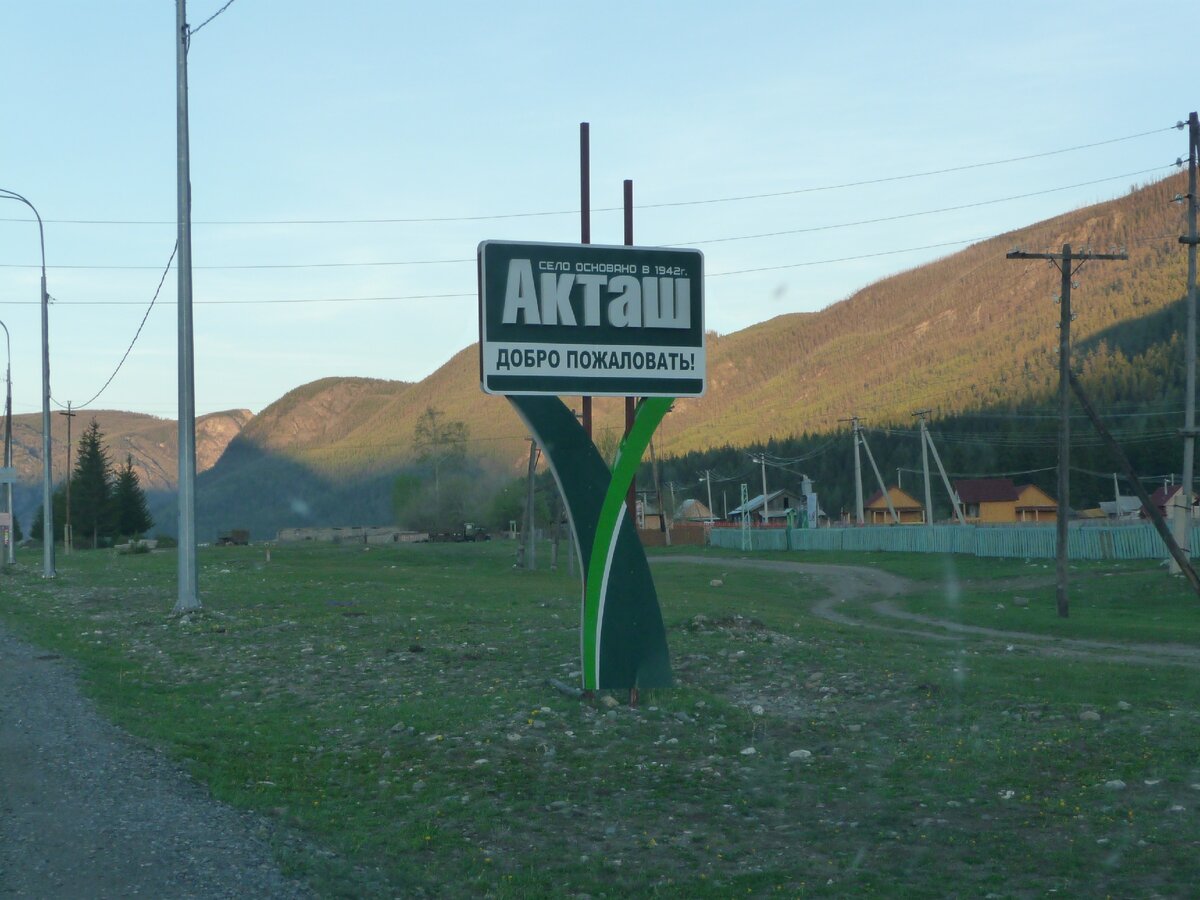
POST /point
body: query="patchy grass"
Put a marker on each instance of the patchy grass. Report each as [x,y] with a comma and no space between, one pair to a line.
[390,707]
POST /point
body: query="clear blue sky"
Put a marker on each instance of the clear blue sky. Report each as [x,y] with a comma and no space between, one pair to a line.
[393,110]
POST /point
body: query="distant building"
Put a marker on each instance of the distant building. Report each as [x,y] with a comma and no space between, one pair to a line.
[351,534]
[1121,508]
[693,511]
[649,516]
[1035,505]
[1167,496]
[910,511]
[987,500]
[776,508]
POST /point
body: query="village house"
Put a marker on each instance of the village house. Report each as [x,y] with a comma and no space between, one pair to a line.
[1167,496]
[1035,505]
[910,511]
[777,506]
[693,511]
[987,500]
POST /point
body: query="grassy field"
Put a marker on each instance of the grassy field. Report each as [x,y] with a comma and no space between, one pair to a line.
[389,710]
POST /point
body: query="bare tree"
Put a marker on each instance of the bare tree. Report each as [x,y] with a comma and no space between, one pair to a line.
[438,441]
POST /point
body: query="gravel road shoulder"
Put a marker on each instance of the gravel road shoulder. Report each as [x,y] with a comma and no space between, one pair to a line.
[85,811]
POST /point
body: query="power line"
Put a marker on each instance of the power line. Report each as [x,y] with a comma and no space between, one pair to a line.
[742,237]
[321,265]
[196,30]
[574,212]
[249,302]
[926,212]
[137,334]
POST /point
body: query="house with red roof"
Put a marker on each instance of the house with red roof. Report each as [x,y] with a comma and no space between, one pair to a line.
[1166,497]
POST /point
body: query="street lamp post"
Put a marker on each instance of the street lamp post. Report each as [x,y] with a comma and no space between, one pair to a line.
[47,492]
[10,550]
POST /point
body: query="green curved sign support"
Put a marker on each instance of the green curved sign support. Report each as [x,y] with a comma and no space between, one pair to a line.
[623,643]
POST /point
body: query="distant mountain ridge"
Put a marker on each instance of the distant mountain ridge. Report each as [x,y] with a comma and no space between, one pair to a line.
[970,331]
[151,442]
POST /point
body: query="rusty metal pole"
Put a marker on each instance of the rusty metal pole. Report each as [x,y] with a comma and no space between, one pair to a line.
[630,402]
[585,226]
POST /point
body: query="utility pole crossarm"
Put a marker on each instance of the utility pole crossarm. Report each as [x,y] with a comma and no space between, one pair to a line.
[1056,257]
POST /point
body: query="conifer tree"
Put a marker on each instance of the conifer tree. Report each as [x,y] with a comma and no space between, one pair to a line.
[130,513]
[91,487]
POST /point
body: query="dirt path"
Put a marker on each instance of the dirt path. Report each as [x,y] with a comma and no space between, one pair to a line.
[87,812]
[859,586]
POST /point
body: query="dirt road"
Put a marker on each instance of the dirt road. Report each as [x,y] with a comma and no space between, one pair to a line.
[87,812]
[854,588]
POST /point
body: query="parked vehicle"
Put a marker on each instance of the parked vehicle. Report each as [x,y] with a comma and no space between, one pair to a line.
[468,533]
[238,537]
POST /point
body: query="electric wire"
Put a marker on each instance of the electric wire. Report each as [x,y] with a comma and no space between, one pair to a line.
[565,212]
[196,30]
[926,212]
[136,335]
[743,237]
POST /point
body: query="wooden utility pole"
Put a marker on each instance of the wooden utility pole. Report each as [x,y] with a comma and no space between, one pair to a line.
[1067,263]
[68,543]
[1182,519]
[1157,519]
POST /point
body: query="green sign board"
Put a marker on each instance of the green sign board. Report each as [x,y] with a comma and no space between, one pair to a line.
[591,319]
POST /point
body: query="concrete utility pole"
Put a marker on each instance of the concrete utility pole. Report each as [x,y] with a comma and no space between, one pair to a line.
[10,550]
[1068,263]
[927,440]
[922,413]
[879,478]
[47,476]
[707,479]
[1182,519]
[68,540]
[747,542]
[188,599]
[1156,518]
[858,491]
[763,460]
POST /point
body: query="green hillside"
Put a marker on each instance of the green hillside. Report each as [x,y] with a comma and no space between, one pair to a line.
[971,334]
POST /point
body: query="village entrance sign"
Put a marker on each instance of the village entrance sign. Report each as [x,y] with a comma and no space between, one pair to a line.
[587,319]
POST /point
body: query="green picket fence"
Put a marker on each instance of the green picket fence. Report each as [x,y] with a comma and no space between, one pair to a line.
[1009,542]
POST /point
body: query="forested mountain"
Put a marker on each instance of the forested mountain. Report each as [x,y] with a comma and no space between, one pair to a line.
[152,443]
[971,336]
